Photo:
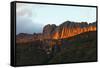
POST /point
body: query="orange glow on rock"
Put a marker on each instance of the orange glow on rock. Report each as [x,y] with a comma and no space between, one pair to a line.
[68,32]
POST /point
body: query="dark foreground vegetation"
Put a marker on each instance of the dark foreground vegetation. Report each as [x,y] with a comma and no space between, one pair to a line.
[79,48]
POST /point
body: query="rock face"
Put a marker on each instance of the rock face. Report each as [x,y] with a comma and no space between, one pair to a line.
[48,31]
[64,30]
[68,29]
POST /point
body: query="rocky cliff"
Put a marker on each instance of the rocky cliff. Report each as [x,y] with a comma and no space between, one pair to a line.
[68,29]
[51,31]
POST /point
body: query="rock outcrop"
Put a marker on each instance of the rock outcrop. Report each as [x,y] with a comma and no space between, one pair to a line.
[64,30]
[68,29]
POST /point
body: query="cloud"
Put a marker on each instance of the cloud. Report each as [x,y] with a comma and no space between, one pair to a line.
[23,9]
[19,5]
[24,12]
[25,19]
[25,25]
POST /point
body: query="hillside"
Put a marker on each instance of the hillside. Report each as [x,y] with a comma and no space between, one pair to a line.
[78,48]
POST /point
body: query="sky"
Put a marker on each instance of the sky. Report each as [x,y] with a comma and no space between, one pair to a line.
[31,18]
